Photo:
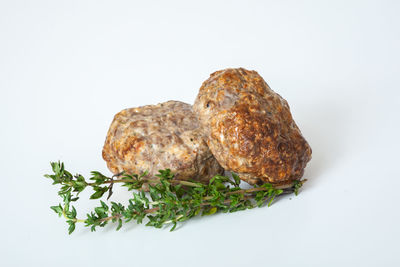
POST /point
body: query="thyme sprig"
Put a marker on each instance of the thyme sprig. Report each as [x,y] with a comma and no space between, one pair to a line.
[168,201]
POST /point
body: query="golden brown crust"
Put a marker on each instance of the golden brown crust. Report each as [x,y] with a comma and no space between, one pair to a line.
[250,128]
[156,137]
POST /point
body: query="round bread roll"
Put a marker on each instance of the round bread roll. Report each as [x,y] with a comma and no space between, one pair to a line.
[249,128]
[157,137]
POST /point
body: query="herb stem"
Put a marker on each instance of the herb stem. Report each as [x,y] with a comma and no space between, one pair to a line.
[108,218]
[169,201]
[243,191]
[182,182]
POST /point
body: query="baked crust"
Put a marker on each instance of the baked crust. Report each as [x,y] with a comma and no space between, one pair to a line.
[156,137]
[250,128]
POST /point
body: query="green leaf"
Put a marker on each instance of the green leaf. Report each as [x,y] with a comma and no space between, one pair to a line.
[57,209]
[56,167]
[71,227]
[236,178]
[73,212]
[270,201]
[97,194]
[119,224]
[197,211]
[104,205]
[100,211]
[66,197]
[173,227]
[80,178]
[211,211]
[297,184]
[66,173]
[166,174]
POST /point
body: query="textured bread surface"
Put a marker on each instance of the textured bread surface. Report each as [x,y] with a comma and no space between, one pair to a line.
[156,137]
[250,129]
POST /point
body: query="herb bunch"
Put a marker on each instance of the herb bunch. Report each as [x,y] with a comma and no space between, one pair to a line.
[168,201]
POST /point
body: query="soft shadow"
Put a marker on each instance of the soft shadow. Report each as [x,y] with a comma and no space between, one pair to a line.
[325,126]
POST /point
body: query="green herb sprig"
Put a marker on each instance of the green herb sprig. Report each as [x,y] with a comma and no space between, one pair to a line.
[168,201]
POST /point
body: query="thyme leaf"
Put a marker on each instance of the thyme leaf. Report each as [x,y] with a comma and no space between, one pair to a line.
[168,201]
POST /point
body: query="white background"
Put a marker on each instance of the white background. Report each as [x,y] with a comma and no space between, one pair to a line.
[66,67]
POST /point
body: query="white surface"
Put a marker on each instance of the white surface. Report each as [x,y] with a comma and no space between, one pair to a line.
[67,67]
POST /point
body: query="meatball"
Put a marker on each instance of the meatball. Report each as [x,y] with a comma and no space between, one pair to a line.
[156,137]
[250,129]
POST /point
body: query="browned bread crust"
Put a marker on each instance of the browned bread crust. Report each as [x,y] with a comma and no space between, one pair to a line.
[250,128]
[156,137]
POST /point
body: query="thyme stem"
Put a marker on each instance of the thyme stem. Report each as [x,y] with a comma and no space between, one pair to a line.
[168,201]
